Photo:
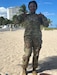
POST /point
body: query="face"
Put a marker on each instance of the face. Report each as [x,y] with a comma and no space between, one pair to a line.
[32,7]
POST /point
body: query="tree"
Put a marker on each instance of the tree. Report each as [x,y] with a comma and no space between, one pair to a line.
[2,19]
[15,20]
[8,21]
[50,22]
[22,12]
[22,9]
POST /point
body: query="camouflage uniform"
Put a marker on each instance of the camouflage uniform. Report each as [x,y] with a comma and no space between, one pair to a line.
[33,38]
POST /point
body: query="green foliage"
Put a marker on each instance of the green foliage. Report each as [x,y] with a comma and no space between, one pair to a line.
[50,22]
[23,9]
[15,19]
[4,21]
[47,28]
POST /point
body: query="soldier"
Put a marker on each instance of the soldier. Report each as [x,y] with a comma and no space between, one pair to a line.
[32,36]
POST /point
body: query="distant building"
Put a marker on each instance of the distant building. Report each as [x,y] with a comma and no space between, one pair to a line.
[11,11]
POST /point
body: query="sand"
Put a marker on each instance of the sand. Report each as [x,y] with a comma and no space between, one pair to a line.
[12,50]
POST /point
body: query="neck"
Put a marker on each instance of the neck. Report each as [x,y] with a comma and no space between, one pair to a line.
[32,12]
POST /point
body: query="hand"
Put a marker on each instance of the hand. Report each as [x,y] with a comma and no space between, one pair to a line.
[40,15]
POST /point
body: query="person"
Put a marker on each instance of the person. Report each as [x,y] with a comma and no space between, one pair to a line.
[32,36]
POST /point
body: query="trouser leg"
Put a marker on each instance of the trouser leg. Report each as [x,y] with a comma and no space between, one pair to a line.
[35,58]
[36,50]
[27,51]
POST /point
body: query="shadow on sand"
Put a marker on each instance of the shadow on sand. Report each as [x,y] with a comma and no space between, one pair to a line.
[49,63]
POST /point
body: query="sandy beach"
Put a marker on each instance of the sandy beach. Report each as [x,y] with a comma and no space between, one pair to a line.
[12,50]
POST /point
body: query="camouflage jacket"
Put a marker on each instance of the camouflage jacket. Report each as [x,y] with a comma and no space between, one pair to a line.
[32,23]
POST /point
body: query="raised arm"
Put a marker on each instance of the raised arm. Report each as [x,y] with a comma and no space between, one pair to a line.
[21,18]
[43,20]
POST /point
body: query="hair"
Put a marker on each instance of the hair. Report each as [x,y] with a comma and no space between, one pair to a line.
[33,2]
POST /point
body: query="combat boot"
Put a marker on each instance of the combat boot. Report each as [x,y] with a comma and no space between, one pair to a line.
[34,73]
[24,72]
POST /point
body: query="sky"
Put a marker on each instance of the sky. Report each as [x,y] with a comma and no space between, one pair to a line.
[46,7]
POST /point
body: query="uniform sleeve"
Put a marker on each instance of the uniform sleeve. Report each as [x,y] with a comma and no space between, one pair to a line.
[21,18]
[43,20]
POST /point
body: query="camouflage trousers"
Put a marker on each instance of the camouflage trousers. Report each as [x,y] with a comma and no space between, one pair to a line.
[31,44]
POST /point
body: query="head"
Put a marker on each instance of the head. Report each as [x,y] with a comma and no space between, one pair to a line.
[32,6]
